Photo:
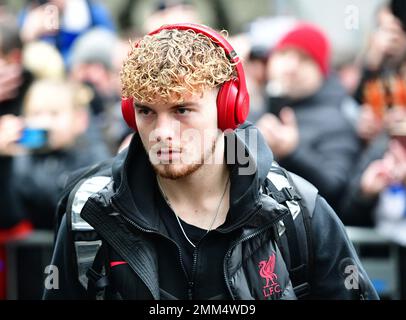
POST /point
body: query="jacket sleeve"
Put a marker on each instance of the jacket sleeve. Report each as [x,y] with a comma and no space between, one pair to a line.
[337,272]
[67,286]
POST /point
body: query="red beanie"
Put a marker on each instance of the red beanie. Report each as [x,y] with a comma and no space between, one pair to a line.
[311,40]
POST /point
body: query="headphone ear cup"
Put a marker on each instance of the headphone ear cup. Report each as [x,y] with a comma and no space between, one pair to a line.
[226,103]
[127,109]
[242,106]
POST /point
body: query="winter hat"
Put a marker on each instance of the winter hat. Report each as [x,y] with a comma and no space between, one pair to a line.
[311,40]
[94,46]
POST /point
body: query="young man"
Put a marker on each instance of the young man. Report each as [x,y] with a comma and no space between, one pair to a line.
[185,212]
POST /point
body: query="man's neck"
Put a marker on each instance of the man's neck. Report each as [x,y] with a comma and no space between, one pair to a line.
[208,180]
[197,197]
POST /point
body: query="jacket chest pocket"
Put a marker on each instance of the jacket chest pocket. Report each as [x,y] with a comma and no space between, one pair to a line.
[261,273]
[123,282]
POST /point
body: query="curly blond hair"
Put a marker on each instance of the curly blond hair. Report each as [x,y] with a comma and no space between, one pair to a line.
[173,63]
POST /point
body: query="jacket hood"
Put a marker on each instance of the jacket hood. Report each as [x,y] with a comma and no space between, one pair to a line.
[247,155]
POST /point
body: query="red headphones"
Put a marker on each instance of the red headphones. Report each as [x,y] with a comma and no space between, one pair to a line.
[232,99]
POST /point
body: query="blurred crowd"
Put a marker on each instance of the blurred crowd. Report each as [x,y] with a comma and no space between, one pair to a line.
[343,129]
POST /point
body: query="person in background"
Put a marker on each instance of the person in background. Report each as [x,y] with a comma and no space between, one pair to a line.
[382,84]
[60,22]
[14,79]
[14,83]
[95,62]
[57,111]
[378,168]
[306,127]
[91,63]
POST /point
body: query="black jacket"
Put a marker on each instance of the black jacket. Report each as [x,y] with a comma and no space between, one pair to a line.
[328,142]
[226,262]
[39,178]
[10,211]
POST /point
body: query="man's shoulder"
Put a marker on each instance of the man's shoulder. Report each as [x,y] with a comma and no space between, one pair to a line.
[86,180]
[307,191]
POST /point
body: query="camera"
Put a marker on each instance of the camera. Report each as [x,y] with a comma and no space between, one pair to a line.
[34,138]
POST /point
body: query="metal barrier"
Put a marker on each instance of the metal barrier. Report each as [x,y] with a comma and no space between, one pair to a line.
[26,260]
[380,258]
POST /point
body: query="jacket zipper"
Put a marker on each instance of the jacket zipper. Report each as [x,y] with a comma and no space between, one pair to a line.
[191,280]
[128,220]
[246,238]
[194,266]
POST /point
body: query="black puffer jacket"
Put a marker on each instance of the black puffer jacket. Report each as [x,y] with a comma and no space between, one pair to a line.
[229,261]
[38,179]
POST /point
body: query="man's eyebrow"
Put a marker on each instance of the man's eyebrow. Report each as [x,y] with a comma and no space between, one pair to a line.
[141,106]
[184,104]
[176,105]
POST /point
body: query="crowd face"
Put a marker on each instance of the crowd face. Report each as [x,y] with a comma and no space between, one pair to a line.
[55,113]
[294,73]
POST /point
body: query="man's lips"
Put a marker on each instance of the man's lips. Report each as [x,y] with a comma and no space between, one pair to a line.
[168,151]
[168,154]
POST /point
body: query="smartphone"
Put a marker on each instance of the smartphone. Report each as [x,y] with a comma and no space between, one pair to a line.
[34,138]
[276,104]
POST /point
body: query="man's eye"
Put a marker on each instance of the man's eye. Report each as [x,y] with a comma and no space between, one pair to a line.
[183,111]
[144,112]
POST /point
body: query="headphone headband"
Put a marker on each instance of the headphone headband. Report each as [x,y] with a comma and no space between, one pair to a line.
[233,97]
[216,38]
[202,29]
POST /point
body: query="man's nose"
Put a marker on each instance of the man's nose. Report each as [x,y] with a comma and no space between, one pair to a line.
[166,128]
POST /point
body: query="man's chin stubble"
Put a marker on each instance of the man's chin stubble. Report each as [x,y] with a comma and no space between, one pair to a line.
[168,171]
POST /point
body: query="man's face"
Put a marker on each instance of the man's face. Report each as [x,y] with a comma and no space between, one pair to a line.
[294,73]
[179,137]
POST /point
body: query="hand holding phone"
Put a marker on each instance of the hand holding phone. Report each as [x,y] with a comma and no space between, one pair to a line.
[33,138]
